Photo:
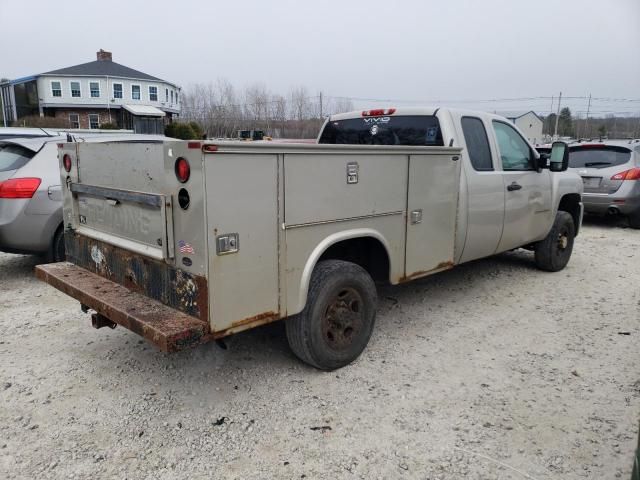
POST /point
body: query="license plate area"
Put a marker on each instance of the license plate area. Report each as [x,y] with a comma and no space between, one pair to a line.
[591,182]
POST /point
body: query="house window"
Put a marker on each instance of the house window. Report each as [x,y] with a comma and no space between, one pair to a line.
[135,92]
[74,120]
[75,89]
[56,89]
[171,96]
[94,121]
[176,97]
[153,94]
[117,90]
[166,94]
[94,87]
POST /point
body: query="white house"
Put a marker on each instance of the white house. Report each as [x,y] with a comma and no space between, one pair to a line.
[528,122]
[94,93]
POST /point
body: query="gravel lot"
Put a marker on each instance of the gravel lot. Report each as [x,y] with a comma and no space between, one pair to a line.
[492,370]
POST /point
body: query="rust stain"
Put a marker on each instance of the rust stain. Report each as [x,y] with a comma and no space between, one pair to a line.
[172,286]
[423,273]
[247,323]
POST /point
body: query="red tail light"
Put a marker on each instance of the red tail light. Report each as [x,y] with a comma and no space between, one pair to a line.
[378,112]
[183,170]
[66,162]
[633,174]
[19,187]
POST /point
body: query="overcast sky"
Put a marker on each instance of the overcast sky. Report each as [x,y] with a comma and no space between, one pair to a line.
[414,51]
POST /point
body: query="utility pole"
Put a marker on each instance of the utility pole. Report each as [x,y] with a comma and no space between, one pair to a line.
[586,122]
[555,130]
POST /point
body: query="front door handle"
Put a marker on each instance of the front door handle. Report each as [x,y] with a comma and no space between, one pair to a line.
[514,186]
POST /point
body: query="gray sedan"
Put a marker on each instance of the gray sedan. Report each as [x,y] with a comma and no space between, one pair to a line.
[610,171]
[31,195]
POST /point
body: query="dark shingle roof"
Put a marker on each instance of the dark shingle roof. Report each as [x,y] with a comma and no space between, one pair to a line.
[103,68]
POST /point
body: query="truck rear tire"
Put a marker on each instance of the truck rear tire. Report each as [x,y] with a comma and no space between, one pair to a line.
[553,253]
[336,323]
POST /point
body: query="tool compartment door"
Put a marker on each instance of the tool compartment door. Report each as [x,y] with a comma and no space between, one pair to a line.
[242,199]
[432,204]
[137,214]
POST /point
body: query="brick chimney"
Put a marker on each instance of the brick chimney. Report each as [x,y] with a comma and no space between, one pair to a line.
[104,56]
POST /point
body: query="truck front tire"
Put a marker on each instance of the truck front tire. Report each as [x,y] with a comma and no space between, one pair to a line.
[336,323]
[553,253]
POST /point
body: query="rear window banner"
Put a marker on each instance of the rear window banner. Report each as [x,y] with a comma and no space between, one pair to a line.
[413,130]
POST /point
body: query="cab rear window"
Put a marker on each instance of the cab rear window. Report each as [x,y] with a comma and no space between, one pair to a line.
[598,157]
[13,156]
[413,130]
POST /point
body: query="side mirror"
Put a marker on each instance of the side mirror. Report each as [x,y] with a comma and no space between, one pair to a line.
[559,160]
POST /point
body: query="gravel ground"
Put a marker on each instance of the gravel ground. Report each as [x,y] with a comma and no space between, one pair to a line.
[492,370]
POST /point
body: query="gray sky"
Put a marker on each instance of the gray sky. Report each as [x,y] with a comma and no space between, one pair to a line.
[406,50]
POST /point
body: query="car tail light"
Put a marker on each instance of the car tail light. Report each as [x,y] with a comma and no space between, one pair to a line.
[66,162]
[19,187]
[183,170]
[632,174]
[378,112]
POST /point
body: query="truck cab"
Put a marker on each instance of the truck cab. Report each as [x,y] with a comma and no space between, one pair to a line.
[508,196]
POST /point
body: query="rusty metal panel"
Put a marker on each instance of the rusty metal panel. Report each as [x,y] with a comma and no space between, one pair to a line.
[242,200]
[159,281]
[165,327]
[431,213]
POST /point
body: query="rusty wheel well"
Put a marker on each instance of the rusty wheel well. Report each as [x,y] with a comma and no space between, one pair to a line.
[368,252]
[570,203]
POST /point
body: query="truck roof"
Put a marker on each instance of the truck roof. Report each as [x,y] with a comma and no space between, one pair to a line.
[420,110]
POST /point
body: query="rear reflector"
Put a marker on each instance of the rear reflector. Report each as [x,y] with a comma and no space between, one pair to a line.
[210,148]
[632,174]
[183,170]
[19,187]
[193,145]
[378,112]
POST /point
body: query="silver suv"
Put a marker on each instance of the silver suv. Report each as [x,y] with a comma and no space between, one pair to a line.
[30,192]
[610,171]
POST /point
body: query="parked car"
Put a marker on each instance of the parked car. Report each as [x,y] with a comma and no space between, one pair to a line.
[19,132]
[610,171]
[30,193]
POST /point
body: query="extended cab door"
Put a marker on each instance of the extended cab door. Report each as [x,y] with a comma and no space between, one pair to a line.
[528,211]
[484,199]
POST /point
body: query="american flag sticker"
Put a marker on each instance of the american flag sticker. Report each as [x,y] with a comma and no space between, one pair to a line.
[185,247]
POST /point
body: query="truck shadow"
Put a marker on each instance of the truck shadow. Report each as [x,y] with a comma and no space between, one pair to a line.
[252,349]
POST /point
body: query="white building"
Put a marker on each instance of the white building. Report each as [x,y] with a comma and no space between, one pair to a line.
[92,94]
[528,122]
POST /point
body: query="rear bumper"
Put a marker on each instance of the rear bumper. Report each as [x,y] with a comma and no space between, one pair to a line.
[626,200]
[167,328]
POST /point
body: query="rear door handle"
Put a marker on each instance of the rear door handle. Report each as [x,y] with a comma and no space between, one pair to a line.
[514,186]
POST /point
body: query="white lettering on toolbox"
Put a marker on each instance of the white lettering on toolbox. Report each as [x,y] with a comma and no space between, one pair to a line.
[126,219]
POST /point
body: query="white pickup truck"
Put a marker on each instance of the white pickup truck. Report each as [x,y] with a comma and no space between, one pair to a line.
[188,241]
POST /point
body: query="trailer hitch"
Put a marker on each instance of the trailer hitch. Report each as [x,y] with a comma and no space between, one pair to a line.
[99,321]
